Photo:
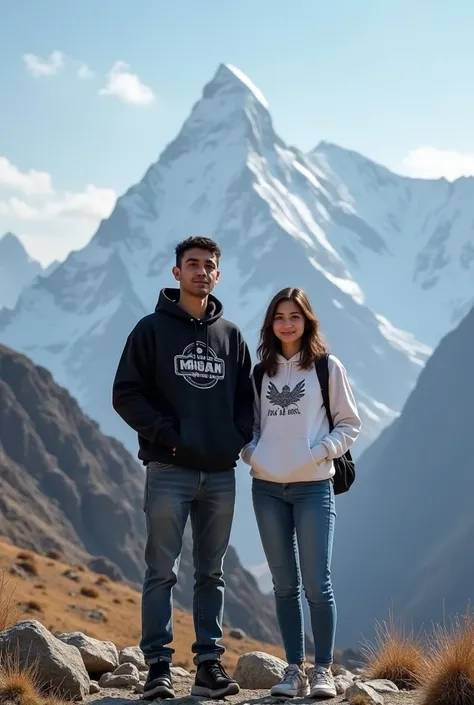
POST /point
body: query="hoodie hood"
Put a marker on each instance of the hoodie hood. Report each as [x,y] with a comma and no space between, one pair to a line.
[168,302]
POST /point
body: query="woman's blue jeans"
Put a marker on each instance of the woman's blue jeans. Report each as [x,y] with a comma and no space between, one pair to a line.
[297,520]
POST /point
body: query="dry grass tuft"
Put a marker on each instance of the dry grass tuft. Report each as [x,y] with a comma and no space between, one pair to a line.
[360,699]
[449,680]
[102,580]
[28,565]
[18,683]
[33,605]
[9,610]
[89,592]
[54,555]
[395,656]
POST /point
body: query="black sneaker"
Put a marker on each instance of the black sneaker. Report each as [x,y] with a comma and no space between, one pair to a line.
[212,681]
[159,683]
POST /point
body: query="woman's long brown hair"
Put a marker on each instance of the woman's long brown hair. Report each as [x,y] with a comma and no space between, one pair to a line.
[313,345]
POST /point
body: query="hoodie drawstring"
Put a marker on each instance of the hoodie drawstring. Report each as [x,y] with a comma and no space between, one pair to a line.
[196,340]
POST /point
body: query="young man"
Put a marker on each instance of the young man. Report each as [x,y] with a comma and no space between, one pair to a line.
[183,384]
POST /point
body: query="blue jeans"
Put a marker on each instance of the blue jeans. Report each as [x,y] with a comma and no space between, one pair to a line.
[171,495]
[299,515]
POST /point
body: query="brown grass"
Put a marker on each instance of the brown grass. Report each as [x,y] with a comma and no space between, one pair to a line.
[9,611]
[33,605]
[102,580]
[449,680]
[360,699]
[18,684]
[123,627]
[396,656]
[54,555]
[88,591]
[28,565]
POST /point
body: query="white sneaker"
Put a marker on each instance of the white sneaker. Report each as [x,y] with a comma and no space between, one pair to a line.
[294,683]
[322,683]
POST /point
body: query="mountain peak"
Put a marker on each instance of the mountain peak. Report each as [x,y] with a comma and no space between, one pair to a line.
[11,244]
[229,79]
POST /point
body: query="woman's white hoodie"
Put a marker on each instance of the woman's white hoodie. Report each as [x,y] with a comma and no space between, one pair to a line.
[291,441]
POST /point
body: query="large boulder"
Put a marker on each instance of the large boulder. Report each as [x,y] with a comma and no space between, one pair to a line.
[258,670]
[99,656]
[59,665]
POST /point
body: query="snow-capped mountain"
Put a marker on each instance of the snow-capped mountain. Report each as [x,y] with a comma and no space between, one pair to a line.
[17,269]
[409,243]
[229,176]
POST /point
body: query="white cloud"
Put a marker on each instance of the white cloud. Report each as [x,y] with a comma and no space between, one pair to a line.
[84,72]
[50,223]
[44,67]
[92,204]
[432,163]
[127,86]
[27,182]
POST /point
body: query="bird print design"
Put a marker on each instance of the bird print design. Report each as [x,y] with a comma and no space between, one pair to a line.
[287,397]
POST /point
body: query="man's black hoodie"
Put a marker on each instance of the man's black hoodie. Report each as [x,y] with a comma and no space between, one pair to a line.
[185,383]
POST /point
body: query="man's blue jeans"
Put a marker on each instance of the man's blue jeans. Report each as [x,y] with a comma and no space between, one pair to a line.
[171,495]
[299,515]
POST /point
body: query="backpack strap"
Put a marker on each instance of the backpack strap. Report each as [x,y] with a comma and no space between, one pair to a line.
[322,370]
[258,373]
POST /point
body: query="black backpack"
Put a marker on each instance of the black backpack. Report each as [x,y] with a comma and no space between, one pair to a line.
[344,466]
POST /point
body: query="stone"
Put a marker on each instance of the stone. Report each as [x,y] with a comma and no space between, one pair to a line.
[357,689]
[94,688]
[258,670]
[60,666]
[121,680]
[133,654]
[342,684]
[140,688]
[179,672]
[382,685]
[238,634]
[99,656]
[127,669]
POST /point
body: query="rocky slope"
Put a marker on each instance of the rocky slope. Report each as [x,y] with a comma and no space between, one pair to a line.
[405,531]
[65,485]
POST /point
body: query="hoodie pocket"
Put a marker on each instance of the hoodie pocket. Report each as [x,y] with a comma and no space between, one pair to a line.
[281,457]
[211,438]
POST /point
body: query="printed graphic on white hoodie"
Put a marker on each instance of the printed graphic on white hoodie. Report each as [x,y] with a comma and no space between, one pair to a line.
[291,440]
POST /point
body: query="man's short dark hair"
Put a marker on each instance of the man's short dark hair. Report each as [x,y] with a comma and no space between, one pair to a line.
[204,243]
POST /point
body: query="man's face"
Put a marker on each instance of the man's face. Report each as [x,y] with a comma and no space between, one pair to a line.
[198,273]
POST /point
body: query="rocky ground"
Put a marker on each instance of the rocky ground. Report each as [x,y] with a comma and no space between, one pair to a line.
[118,696]
[81,668]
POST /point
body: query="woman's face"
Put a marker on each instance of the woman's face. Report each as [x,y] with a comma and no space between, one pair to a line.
[289,322]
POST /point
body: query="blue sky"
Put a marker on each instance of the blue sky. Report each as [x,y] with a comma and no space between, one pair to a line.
[389,78]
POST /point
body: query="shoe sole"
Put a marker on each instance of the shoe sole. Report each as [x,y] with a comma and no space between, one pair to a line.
[323,694]
[300,693]
[161,691]
[231,689]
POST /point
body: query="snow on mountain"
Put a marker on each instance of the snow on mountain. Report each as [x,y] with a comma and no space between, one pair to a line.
[17,269]
[226,175]
[409,243]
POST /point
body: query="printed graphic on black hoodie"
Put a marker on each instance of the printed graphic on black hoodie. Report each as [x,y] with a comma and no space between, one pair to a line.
[200,366]
[185,383]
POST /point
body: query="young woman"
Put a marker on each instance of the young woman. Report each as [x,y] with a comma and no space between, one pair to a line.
[291,458]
